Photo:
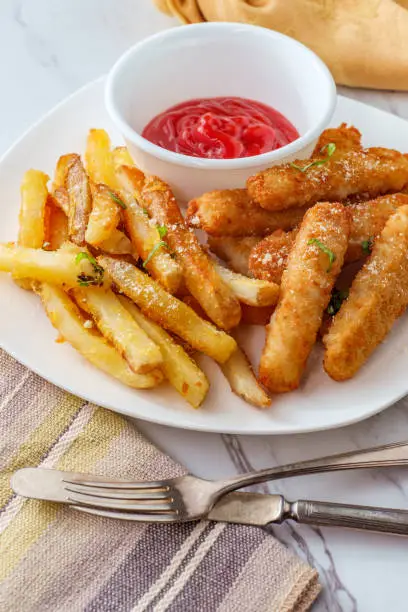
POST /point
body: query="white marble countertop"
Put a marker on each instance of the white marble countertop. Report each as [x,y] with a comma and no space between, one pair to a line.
[49,48]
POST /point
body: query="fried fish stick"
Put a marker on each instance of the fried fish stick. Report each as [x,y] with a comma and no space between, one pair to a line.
[234,251]
[375,171]
[367,222]
[378,296]
[345,138]
[268,258]
[314,263]
[231,212]
[201,278]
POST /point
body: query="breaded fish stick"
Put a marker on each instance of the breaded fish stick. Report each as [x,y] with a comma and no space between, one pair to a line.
[375,171]
[314,263]
[200,275]
[268,258]
[234,251]
[345,138]
[230,212]
[378,296]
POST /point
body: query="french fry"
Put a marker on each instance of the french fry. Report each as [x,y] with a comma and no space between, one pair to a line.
[34,194]
[234,251]
[239,373]
[33,216]
[314,263]
[250,291]
[132,180]
[61,267]
[179,369]
[105,215]
[61,169]
[121,157]
[80,201]
[61,198]
[99,160]
[117,244]
[119,327]
[144,235]
[168,311]
[200,275]
[57,227]
[67,319]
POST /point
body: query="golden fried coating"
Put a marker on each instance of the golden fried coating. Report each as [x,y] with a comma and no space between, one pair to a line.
[199,273]
[378,296]
[230,212]
[314,263]
[345,138]
[374,171]
[268,258]
[368,220]
[234,251]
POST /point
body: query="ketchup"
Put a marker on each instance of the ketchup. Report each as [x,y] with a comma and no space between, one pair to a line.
[220,128]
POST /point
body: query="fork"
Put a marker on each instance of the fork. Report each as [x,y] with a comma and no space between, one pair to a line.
[185,498]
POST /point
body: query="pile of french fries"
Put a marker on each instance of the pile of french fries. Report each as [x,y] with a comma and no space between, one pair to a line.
[123,278]
[298,225]
[125,281]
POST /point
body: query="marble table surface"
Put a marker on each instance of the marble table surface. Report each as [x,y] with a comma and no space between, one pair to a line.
[49,48]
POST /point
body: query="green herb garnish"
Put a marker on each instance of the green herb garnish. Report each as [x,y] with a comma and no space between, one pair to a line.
[336,300]
[85,280]
[145,212]
[331,147]
[325,249]
[117,199]
[157,246]
[162,229]
[367,245]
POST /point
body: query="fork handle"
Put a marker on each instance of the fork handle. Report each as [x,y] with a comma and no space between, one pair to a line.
[381,520]
[381,456]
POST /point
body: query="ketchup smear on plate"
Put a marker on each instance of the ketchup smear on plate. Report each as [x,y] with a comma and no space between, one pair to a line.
[220,128]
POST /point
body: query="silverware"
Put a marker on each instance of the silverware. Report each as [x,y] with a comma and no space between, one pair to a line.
[185,498]
[241,508]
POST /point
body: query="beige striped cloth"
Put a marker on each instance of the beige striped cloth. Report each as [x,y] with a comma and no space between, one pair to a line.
[53,558]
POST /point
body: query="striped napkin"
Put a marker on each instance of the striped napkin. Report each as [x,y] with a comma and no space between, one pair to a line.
[53,558]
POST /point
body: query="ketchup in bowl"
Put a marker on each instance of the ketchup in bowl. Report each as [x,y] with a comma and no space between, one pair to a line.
[220,128]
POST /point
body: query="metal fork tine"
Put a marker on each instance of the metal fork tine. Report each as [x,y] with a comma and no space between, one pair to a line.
[121,504]
[130,516]
[111,493]
[111,484]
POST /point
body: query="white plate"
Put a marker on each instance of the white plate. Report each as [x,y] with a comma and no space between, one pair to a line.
[26,333]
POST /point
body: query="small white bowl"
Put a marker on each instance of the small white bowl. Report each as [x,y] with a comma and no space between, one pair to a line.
[217,59]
